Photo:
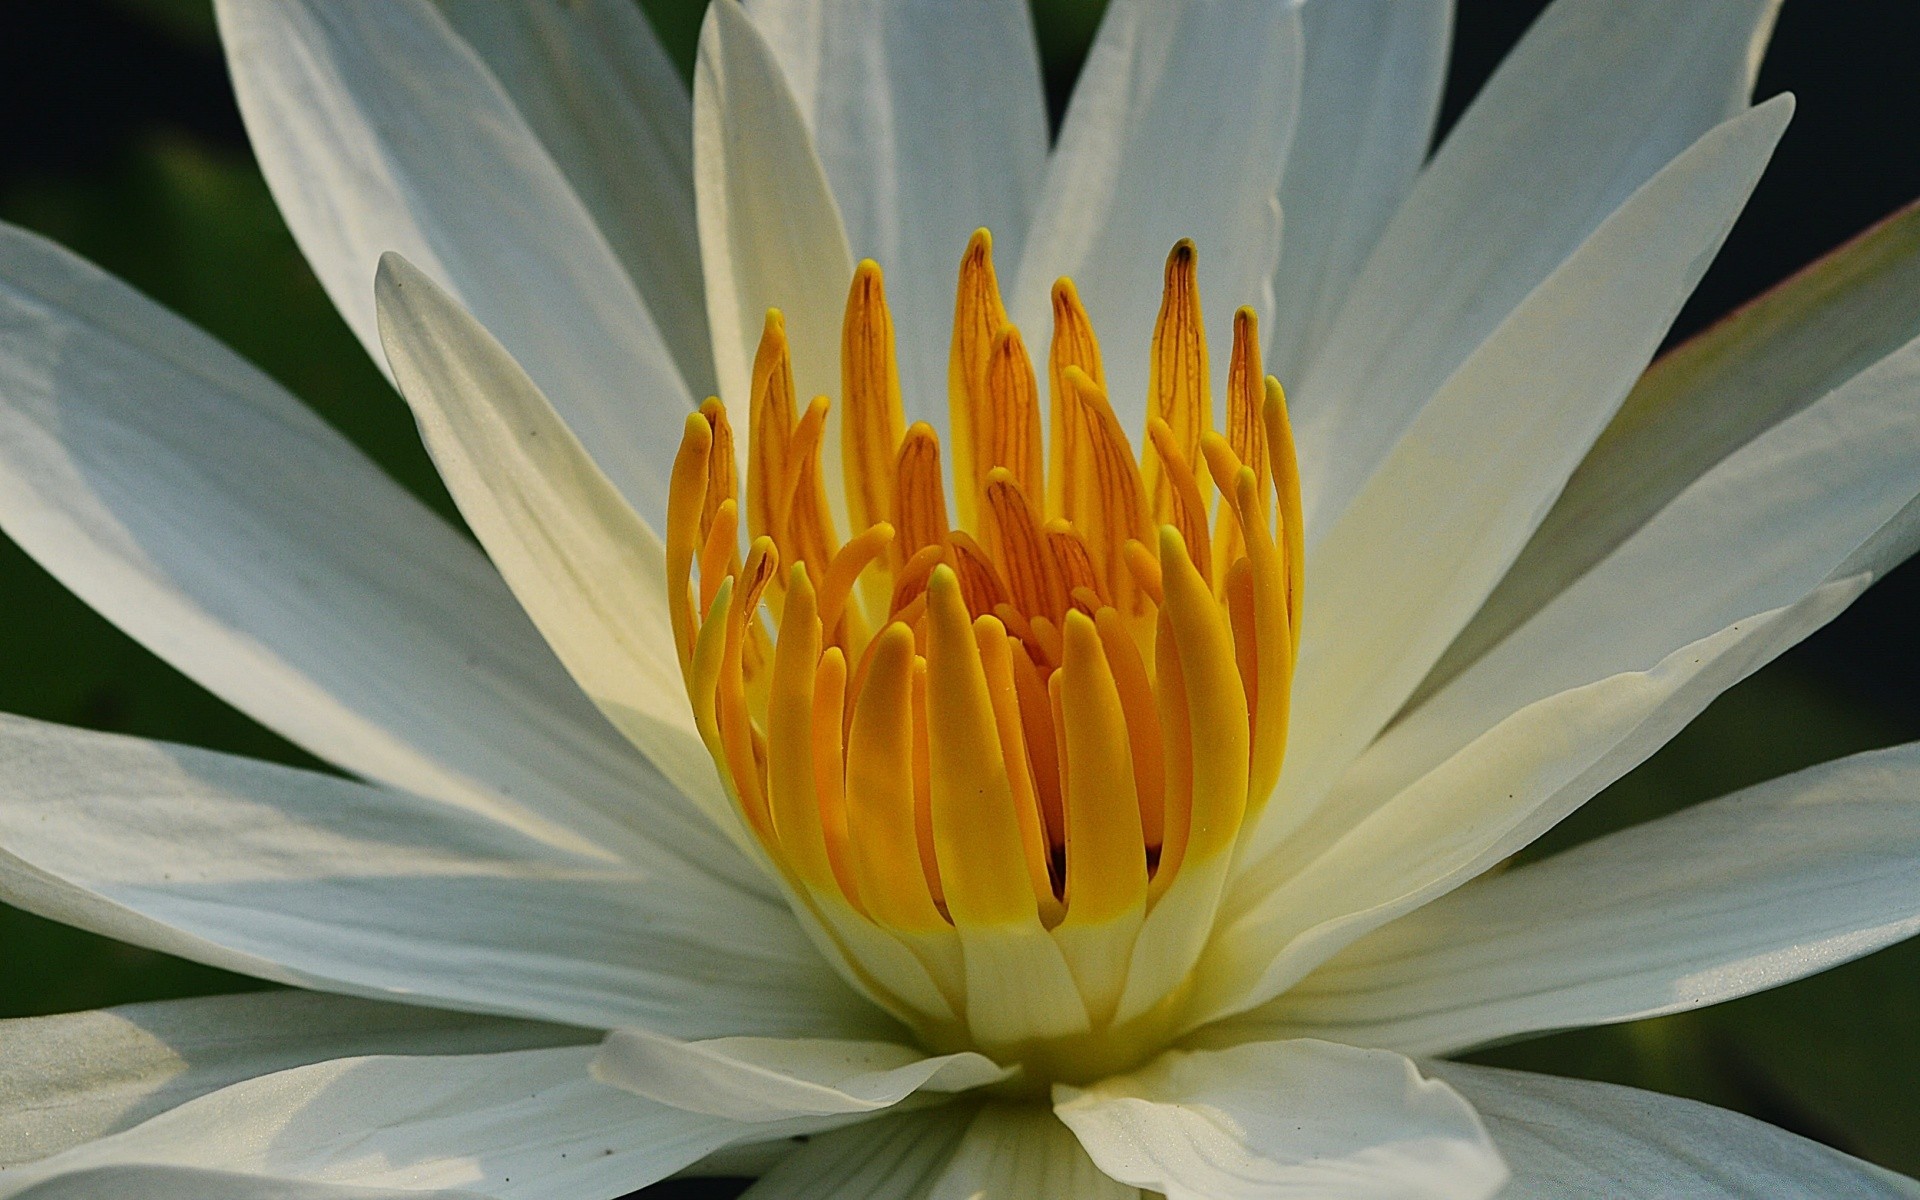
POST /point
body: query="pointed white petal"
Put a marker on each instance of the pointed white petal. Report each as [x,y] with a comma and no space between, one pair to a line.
[1710,462]
[1272,1120]
[1344,874]
[929,120]
[1370,89]
[379,129]
[586,568]
[893,1157]
[770,235]
[1825,493]
[1744,893]
[1597,97]
[598,89]
[189,1183]
[318,881]
[69,1079]
[755,1079]
[211,516]
[1433,529]
[1179,127]
[1014,1151]
[1570,1137]
[524,1124]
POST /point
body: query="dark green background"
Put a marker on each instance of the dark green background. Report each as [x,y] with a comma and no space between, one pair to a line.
[118,137]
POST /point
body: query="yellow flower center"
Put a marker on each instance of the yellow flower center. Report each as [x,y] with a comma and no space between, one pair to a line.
[1000,762]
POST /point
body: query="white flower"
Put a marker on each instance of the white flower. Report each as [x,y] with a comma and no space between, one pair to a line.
[1127,961]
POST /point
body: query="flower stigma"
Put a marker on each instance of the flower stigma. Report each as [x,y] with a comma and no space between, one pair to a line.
[998,752]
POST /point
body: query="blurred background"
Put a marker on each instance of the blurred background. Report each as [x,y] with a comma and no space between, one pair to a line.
[119,138]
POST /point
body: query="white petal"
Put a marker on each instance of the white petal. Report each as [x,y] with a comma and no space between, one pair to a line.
[312,880]
[69,1079]
[1012,1152]
[1597,97]
[1431,532]
[1744,893]
[1823,494]
[929,120]
[770,235]
[596,86]
[1569,1137]
[525,1124]
[586,568]
[1760,455]
[755,1079]
[380,130]
[1268,1120]
[188,1183]
[1370,89]
[1179,127]
[1344,875]
[215,519]
[895,1157]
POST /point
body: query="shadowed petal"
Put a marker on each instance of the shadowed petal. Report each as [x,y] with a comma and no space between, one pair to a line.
[1729,897]
[1269,1120]
[71,1078]
[1569,1137]
[318,881]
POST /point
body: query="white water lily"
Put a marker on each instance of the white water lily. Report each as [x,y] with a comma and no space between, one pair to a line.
[994,892]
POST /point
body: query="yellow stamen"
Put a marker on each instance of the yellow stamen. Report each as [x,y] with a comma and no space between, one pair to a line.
[795,806]
[978,317]
[882,832]
[996,658]
[1078,687]
[1109,491]
[847,566]
[919,500]
[830,767]
[686,500]
[721,554]
[1286,478]
[872,421]
[980,583]
[1074,345]
[770,432]
[976,827]
[1178,391]
[1020,545]
[1074,560]
[1143,723]
[1007,416]
[1106,849]
[1246,431]
[1189,508]
[808,536]
[1216,703]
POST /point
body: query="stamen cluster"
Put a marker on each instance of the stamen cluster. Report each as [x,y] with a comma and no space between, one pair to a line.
[999,753]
